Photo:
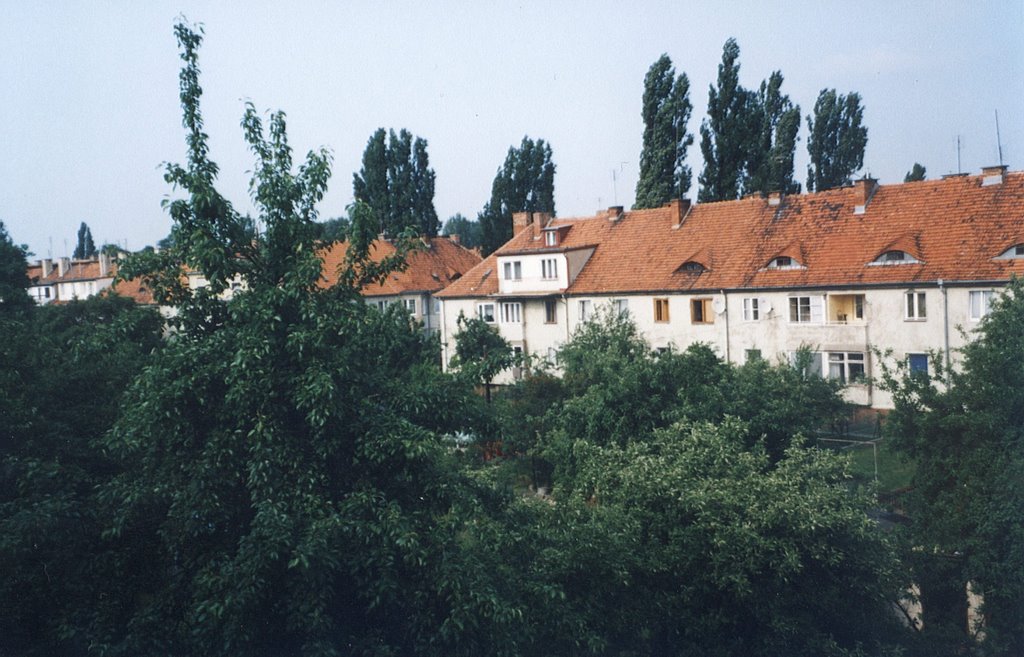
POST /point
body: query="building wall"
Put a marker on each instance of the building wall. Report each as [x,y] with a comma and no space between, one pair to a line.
[884,332]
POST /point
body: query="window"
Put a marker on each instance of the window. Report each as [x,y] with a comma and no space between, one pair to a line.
[918,363]
[485,311]
[894,258]
[805,310]
[661,310]
[551,312]
[551,238]
[46,292]
[980,303]
[511,313]
[701,312]
[751,311]
[549,268]
[858,306]
[383,304]
[692,267]
[1016,251]
[807,362]
[514,271]
[847,366]
[621,307]
[437,306]
[752,355]
[916,306]
[410,305]
[783,262]
[584,310]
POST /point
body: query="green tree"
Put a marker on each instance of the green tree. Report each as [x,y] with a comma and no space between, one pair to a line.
[664,174]
[85,248]
[481,353]
[726,133]
[467,230]
[916,174]
[836,140]
[13,274]
[525,183]
[286,487]
[770,158]
[397,183]
[964,430]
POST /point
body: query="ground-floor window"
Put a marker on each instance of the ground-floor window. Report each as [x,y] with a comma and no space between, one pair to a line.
[847,366]
[485,311]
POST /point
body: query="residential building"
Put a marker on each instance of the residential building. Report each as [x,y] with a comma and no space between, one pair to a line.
[849,273]
[433,265]
[65,279]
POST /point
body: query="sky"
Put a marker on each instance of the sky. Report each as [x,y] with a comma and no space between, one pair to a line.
[90,111]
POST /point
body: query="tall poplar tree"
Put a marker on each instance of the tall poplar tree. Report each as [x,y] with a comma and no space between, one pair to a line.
[397,183]
[85,248]
[916,174]
[726,132]
[525,183]
[773,145]
[666,111]
[836,140]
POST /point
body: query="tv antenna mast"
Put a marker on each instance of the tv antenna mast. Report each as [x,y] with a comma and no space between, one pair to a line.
[999,142]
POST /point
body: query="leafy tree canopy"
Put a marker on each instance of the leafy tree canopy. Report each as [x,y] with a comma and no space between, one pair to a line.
[525,183]
[397,183]
[13,274]
[467,230]
[85,248]
[836,141]
[664,174]
[770,159]
[916,174]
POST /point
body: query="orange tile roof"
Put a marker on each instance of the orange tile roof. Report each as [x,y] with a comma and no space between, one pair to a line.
[955,227]
[431,268]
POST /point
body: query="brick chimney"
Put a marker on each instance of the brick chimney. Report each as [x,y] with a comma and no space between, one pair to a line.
[680,210]
[994,175]
[520,220]
[615,213]
[775,198]
[454,238]
[47,266]
[63,265]
[863,190]
[104,265]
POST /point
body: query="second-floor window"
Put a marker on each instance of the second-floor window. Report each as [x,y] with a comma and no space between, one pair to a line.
[751,311]
[805,310]
[980,302]
[915,306]
[549,268]
[661,310]
[511,313]
[550,311]
[485,311]
[584,310]
[701,312]
[513,270]
[621,307]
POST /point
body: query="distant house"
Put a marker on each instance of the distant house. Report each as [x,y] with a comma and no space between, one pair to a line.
[432,266]
[65,279]
[897,268]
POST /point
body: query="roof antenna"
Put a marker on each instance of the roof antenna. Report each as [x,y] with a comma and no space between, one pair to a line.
[999,143]
[958,169]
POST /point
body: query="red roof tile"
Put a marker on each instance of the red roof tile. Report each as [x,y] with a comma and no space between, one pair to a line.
[955,227]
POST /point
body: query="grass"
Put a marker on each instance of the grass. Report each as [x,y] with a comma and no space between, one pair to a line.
[893,472]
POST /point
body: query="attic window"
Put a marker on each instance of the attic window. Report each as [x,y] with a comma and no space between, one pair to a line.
[1016,251]
[551,238]
[783,262]
[692,267]
[895,258]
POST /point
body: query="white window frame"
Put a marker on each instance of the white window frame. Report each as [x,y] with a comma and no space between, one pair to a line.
[485,310]
[585,309]
[751,309]
[549,269]
[621,307]
[550,238]
[511,312]
[915,308]
[843,364]
[513,270]
[979,304]
[550,311]
[410,305]
[815,309]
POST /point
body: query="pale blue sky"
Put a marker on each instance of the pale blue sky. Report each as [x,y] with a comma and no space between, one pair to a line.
[90,107]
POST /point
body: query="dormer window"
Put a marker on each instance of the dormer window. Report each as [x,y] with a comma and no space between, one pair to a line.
[692,267]
[895,258]
[551,238]
[783,262]
[1016,251]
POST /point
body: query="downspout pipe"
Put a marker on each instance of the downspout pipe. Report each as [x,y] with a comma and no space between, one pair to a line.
[725,297]
[945,320]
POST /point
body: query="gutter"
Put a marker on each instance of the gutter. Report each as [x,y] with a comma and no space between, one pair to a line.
[945,319]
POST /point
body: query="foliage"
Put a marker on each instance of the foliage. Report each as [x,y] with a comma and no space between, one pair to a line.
[469,231]
[397,183]
[85,247]
[964,429]
[727,131]
[524,183]
[62,372]
[13,274]
[836,140]
[334,230]
[480,352]
[916,174]
[770,158]
[664,174]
